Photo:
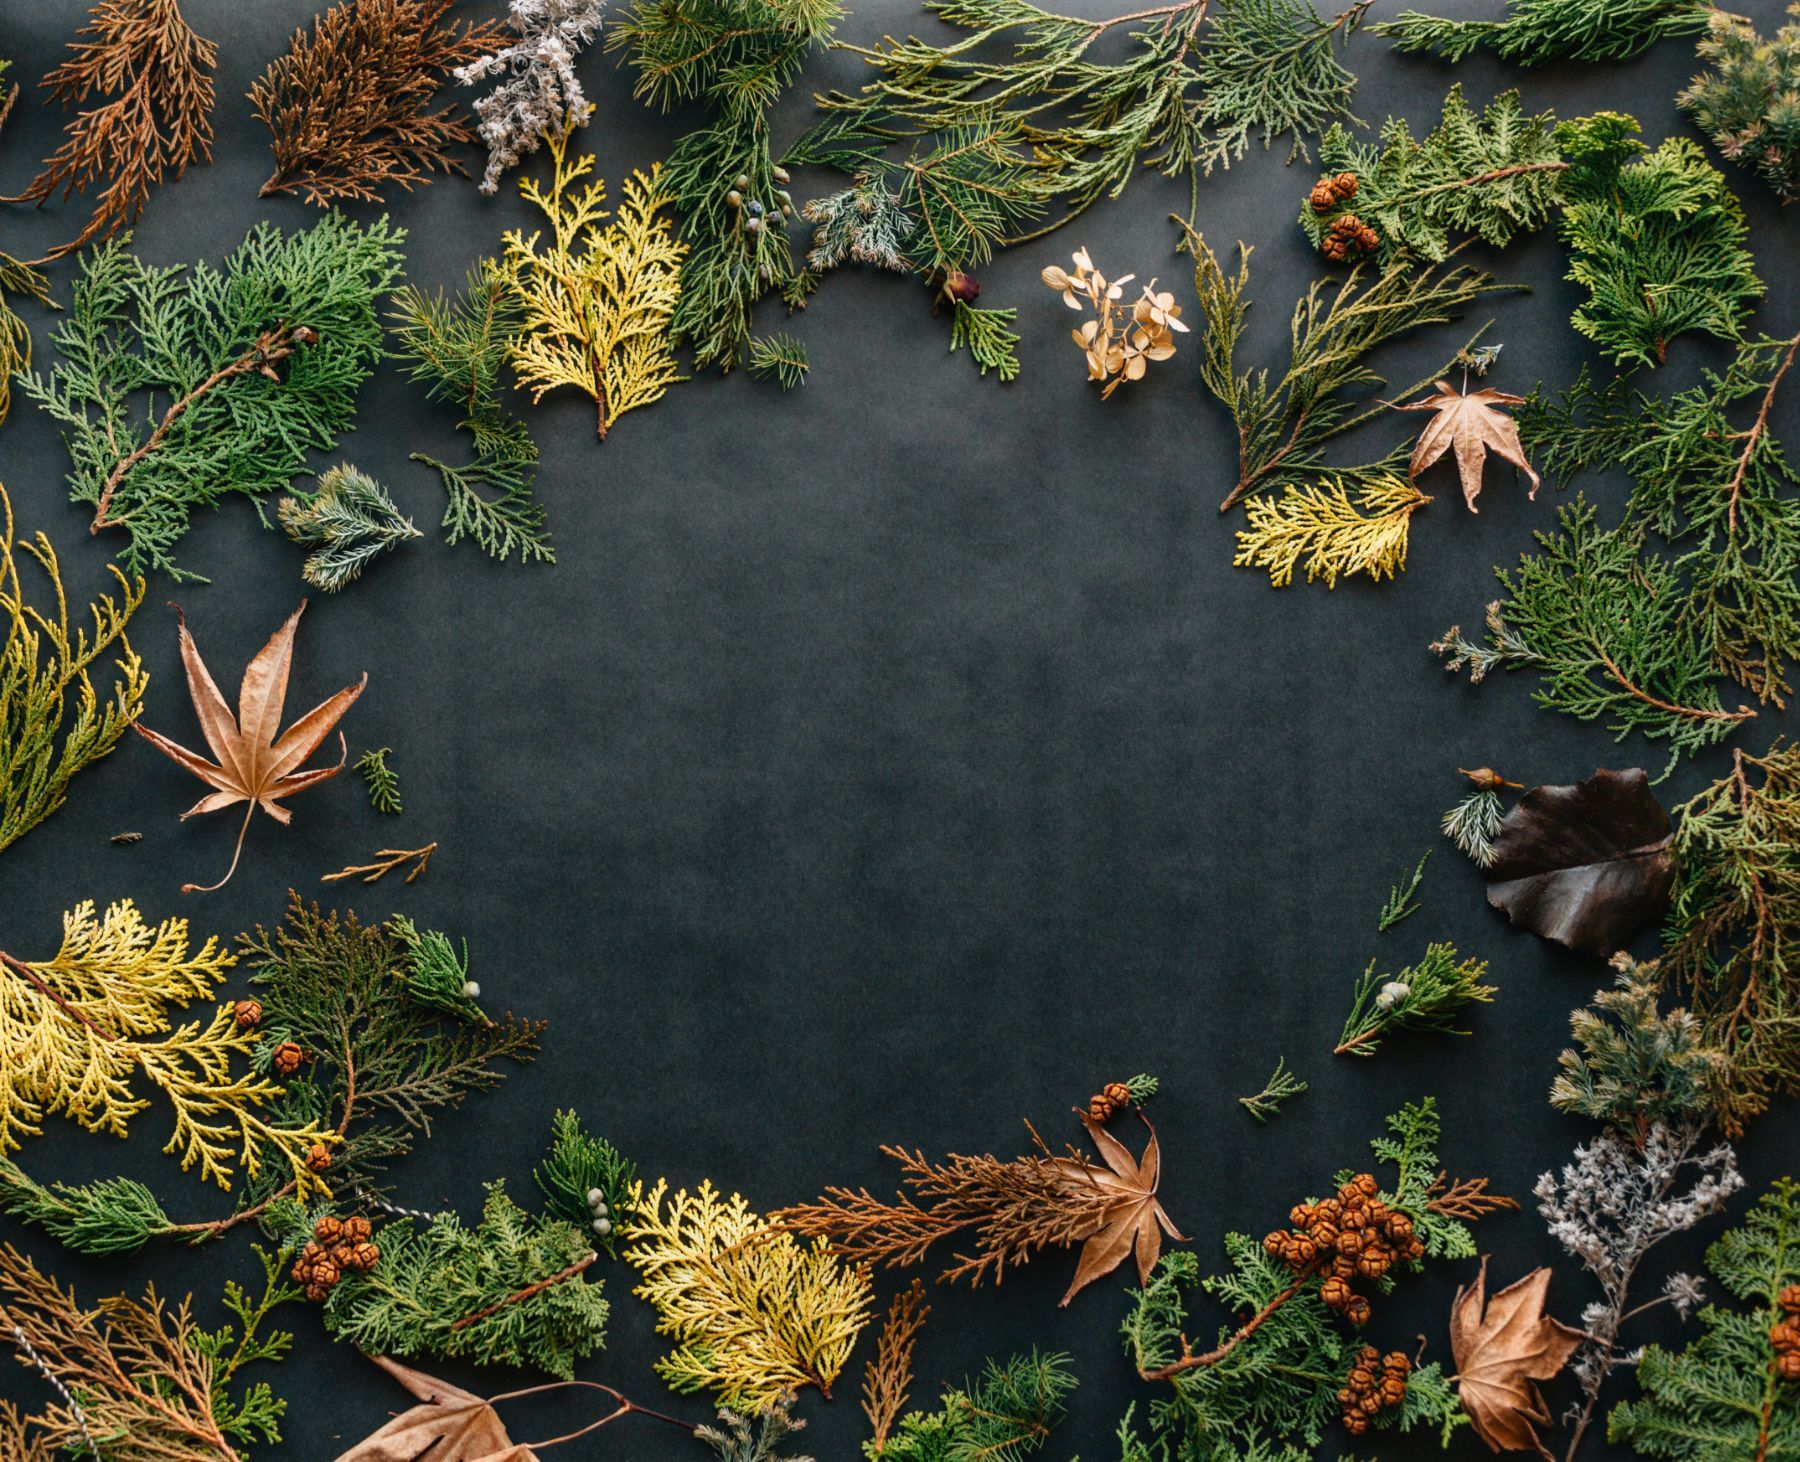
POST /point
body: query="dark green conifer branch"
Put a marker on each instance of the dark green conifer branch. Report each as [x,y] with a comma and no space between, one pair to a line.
[1748,100]
[1536,31]
[1006,1413]
[456,347]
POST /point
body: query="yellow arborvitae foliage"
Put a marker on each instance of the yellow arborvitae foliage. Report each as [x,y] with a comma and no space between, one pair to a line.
[599,299]
[76,1028]
[45,663]
[1335,536]
[754,1313]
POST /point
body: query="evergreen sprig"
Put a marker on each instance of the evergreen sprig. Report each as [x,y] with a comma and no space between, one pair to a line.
[988,336]
[1269,1387]
[511,1291]
[779,357]
[1734,918]
[55,719]
[456,347]
[1335,537]
[1747,101]
[1425,997]
[1537,31]
[1005,1415]
[382,780]
[1402,900]
[348,523]
[736,58]
[1474,823]
[1281,1085]
[579,1166]
[1495,174]
[1199,80]
[246,367]
[1285,422]
[1725,1394]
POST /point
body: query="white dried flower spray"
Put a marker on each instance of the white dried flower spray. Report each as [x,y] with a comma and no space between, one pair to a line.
[541,93]
[1611,1205]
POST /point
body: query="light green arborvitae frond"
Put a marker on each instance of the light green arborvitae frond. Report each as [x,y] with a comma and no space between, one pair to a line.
[348,523]
[988,337]
[1494,174]
[1402,900]
[54,719]
[779,357]
[248,367]
[450,1292]
[1723,1397]
[1604,626]
[1425,997]
[456,346]
[1657,242]
[1281,1085]
[383,781]
[1006,1415]
[754,1314]
[112,1216]
[1537,31]
[1748,100]
[255,1415]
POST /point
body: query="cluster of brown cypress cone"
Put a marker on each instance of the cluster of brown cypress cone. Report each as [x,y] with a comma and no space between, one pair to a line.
[1784,1335]
[1353,1235]
[339,1246]
[1376,1383]
[1348,233]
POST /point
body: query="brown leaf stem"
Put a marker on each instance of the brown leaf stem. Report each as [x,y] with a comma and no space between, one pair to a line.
[521,1295]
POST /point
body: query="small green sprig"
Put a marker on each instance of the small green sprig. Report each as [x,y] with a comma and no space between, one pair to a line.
[780,358]
[348,523]
[1424,996]
[383,780]
[586,1181]
[1401,901]
[1281,1085]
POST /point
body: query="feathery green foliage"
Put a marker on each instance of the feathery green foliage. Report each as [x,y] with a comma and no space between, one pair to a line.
[1636,1065]
[1198,81]
[348,523]
[1495,174]
[741,1438]
[111,1216]
[1424,997]
[1603,625]
[456,346]
[54,720]
[1656,238]
[245,368]
[779,357]
[988,336]
[1402,901]
[383,781]
[1272,1392]
[1005,1415]
[1284,424]
[451,1292]
[1734,918]
[1748,100]
[1281,1085]
[1536,31]
[735,57]
[437,973]
[392,1036]
[255,1414]
[1474,823]
[579,1166]
[1723,1396]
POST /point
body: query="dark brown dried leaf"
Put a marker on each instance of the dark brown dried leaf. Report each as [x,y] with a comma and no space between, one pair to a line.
[1587,865]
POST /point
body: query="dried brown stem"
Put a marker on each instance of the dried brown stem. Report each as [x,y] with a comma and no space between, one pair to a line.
[521,1295]
[388,859]
[888,1377]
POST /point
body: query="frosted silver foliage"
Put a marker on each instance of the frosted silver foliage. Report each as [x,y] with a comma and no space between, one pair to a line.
[540,93]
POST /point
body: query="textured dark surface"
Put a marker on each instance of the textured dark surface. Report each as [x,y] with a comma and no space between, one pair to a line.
[887,761]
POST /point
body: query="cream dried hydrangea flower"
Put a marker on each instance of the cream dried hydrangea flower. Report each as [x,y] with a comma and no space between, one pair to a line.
[1118,347]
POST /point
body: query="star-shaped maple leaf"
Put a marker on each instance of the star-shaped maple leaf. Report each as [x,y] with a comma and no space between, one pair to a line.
[1501,1350]
[254,765]
[1475,426]
[448,1425]
[1135,1221]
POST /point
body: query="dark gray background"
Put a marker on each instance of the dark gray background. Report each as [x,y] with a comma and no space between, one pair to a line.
[886,761]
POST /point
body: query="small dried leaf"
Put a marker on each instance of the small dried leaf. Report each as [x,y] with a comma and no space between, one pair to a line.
[1587,865]
[1475,426]
[1502,1347]
[1136,1221]
[448,1425]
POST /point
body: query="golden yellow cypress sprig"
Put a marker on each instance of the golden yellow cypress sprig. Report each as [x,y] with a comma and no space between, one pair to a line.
[754,1313]
[1335,536]
[78,1028]
[598,300]
[45,663]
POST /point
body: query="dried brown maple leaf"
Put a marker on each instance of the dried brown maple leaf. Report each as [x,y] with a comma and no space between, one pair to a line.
[1587,864]
[1474,425]
[255,766]
[1501,1347]
[450,1425]
[1136,1221]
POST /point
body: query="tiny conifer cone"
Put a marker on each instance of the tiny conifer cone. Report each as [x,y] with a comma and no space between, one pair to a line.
[287,1058]
[318,1157]
[330,1230]
[1344,186]
[247,1013]
[357,1230]
[1324,196]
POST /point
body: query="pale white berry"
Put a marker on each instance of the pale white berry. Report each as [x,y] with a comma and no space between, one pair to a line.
[602,1226]
[596,1199]
[471,989]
